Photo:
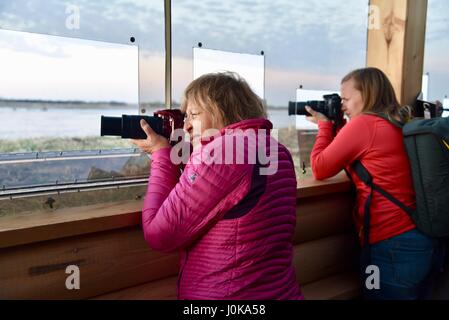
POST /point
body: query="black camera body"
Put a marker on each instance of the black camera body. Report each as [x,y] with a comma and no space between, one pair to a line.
[330,106]
[164,122]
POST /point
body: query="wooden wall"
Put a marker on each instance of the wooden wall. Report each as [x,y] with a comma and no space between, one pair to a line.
[118,264]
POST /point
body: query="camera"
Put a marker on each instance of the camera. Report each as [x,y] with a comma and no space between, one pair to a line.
[330,106]
[164,122]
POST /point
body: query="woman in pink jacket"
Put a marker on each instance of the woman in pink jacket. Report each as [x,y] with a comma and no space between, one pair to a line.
[231,212]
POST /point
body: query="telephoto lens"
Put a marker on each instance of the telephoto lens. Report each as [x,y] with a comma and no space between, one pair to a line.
[330,106]
[299,108]
[128,126]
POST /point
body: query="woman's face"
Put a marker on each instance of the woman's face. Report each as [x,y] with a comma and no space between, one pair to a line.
[351,99]
[199,123]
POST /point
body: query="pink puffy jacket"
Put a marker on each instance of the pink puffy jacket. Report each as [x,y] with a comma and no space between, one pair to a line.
[232,224]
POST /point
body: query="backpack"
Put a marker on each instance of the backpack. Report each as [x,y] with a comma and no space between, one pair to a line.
[427,146]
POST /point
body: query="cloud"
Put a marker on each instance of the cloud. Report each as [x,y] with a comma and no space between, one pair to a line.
[298,37]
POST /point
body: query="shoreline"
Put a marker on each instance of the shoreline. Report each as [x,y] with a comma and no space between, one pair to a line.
[46,105]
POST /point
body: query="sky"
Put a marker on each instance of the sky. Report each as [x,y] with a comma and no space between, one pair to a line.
[35,66]
[305,42]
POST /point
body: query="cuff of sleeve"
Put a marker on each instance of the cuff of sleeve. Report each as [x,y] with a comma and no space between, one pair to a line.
[325,125]
[161,154]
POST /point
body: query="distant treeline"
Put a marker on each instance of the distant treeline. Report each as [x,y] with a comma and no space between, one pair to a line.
[112,103]
[35,103]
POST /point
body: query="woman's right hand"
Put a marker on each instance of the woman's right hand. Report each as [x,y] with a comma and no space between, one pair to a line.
[153,142]
[316,116]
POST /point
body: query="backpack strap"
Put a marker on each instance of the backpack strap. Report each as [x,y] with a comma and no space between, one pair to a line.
[366,178]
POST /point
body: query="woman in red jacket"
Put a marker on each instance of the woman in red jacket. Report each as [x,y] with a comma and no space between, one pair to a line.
[405,258]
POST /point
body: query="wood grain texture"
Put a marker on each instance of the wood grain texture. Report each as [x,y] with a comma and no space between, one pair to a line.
[310,187]
[164,289]
[40,226]
[323,216]
[108,261]
[34,227]
[341,286]
[322,258]
[397,47]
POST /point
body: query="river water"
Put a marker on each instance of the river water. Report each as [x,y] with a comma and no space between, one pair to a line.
[22,123]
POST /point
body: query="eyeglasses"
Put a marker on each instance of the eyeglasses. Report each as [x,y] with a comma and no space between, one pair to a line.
[192,116]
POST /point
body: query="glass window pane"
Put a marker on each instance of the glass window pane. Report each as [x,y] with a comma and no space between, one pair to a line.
[56,89]
[436,60]
[306,43]
[64,64]
[249,66]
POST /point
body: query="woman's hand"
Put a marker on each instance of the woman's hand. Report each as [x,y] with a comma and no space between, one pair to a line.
[316,116]
[153,142]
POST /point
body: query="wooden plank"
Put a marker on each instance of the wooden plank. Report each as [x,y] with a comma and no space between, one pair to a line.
[397,46]
[337,287]
[164,289]
[40,226]
[323,216]
[322,258]
[415,37]
[108,261]
[310,187]
[341,286]
[113,261]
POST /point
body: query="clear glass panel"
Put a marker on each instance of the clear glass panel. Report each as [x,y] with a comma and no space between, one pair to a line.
[436,59]
[47,168]
[249,66]
[64,64]
[305,42]
[52,202]
[56,89]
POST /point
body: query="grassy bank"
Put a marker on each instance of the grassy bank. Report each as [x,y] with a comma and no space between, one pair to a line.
[92,169]
[62,144]
[286,136]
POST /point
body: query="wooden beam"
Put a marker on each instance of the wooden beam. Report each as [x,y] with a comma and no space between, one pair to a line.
[342,286]
[396,37]
[317,219]
[108,261]
[322,258]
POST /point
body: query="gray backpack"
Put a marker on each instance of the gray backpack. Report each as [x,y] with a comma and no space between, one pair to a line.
[427,145]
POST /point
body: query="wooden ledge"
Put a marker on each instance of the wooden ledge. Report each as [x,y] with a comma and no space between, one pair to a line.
[310,187]
[41,226]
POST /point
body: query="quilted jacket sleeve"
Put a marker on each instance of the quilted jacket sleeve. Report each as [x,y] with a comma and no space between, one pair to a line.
[176,213]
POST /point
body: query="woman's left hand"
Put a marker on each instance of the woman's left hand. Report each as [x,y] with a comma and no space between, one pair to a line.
[153,142]
[316,116]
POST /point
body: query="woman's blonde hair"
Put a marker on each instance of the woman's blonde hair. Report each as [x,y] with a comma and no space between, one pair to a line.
[378,94]
[226,96]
